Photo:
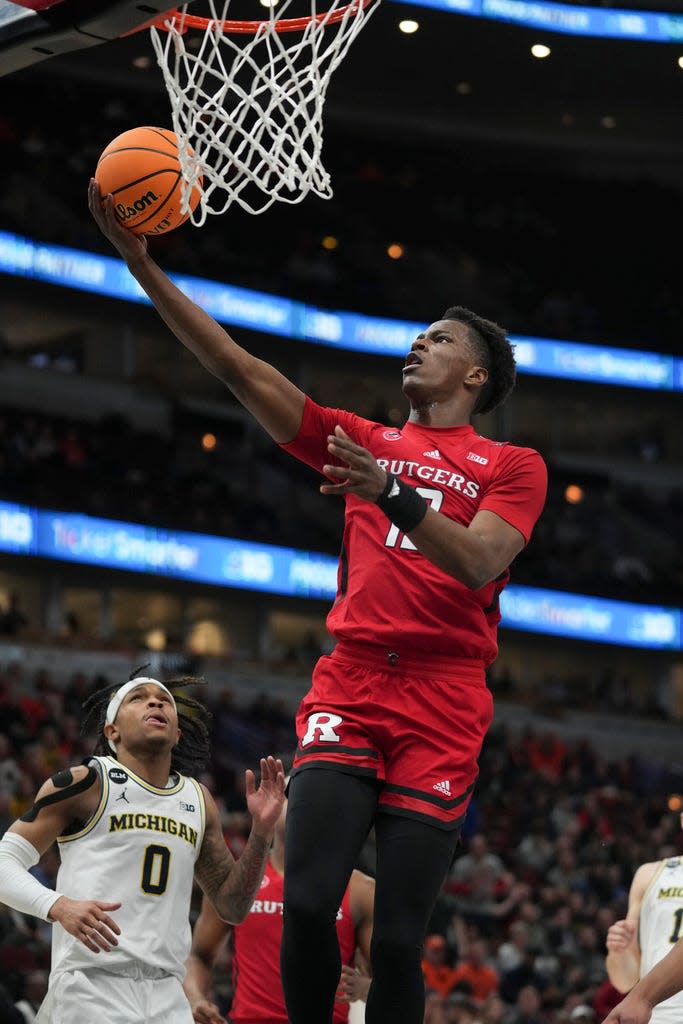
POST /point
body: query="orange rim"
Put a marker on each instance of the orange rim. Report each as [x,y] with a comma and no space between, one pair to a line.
[187,21]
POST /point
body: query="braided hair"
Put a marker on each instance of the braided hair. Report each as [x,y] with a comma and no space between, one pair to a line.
[191,755]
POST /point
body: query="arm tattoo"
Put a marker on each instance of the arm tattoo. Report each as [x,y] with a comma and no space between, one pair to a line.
[232,885]
[66,788]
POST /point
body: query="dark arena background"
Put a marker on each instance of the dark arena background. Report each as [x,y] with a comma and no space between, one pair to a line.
[524,160]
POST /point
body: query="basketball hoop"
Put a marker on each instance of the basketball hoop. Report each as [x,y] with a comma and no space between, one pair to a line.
[248,110]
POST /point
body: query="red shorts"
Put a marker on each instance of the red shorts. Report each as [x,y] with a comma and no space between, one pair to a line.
[414,723]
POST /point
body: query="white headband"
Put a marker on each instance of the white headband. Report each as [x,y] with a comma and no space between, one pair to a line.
[122,692]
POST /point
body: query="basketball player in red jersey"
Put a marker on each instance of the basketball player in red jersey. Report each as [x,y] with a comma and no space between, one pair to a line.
[390,732]
[258,997]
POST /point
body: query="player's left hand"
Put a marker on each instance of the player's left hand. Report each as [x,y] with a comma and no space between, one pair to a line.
[360,476]
[265,802]
[352,985]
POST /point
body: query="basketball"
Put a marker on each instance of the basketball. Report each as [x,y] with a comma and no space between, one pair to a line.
[141,168]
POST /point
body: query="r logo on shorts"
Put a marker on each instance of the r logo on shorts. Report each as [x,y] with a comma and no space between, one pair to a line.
[321,727]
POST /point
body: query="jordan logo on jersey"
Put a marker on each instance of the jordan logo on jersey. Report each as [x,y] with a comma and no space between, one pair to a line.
[122,797]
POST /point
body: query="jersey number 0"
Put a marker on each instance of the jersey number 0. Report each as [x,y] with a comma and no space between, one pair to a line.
[155,867]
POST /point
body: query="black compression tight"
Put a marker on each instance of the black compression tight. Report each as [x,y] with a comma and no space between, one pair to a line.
[328,819]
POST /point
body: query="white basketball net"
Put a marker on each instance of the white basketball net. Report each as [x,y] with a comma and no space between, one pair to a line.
[247,109]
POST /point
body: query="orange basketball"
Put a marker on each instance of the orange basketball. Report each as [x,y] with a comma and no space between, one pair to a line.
[142,171]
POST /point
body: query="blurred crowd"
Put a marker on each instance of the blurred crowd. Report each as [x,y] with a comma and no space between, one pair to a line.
[474,226]
[551,842]
[615,539]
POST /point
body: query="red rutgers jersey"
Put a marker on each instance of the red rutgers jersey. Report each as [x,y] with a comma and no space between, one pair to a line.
[256,959]
[387,591]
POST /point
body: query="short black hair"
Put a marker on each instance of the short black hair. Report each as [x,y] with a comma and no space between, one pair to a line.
[193,752]
[494,351]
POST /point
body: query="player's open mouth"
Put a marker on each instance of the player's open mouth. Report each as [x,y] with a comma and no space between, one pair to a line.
[412,360]
[156,720]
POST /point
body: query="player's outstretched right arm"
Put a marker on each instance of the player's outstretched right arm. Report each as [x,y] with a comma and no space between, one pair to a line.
[270,397]
[70,795]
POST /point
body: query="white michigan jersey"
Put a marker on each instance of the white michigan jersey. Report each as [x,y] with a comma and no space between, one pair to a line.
[660,925]
[139,849]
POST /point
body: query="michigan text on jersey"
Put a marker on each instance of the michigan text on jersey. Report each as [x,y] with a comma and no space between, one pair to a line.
[153,823]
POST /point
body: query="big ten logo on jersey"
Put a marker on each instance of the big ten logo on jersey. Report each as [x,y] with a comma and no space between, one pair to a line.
[321,727]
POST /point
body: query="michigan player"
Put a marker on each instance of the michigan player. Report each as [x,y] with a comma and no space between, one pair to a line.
[662,982]
[133,833]
[258,997]
[653,922]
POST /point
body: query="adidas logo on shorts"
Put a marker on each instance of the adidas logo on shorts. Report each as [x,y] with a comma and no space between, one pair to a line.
[443,787]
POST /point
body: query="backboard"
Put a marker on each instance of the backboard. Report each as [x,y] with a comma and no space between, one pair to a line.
[49,28]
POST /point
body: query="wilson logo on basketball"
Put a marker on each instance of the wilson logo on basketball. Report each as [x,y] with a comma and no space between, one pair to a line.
[139,206]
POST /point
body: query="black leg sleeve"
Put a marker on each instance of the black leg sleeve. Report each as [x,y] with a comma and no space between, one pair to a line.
[412,861]
[329,815]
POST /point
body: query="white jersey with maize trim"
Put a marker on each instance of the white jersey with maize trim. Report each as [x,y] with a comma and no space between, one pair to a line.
[139,848]
[660,926]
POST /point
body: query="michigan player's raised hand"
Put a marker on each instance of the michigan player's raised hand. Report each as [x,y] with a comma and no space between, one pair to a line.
[360,474]
[88,921]
[265,802]
[620,935]
[205,1012]
[131,247]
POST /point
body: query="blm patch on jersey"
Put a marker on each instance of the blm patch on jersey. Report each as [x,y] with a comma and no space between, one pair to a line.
[117,775]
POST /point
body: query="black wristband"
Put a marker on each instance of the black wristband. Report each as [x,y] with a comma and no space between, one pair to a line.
[402,504]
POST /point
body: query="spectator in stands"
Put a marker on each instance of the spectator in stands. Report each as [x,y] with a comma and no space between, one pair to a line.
[477,872]
[10,773]
[527,1009]
[438,972]
[524,976]
[475,968]
[511,953]
[13,620]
